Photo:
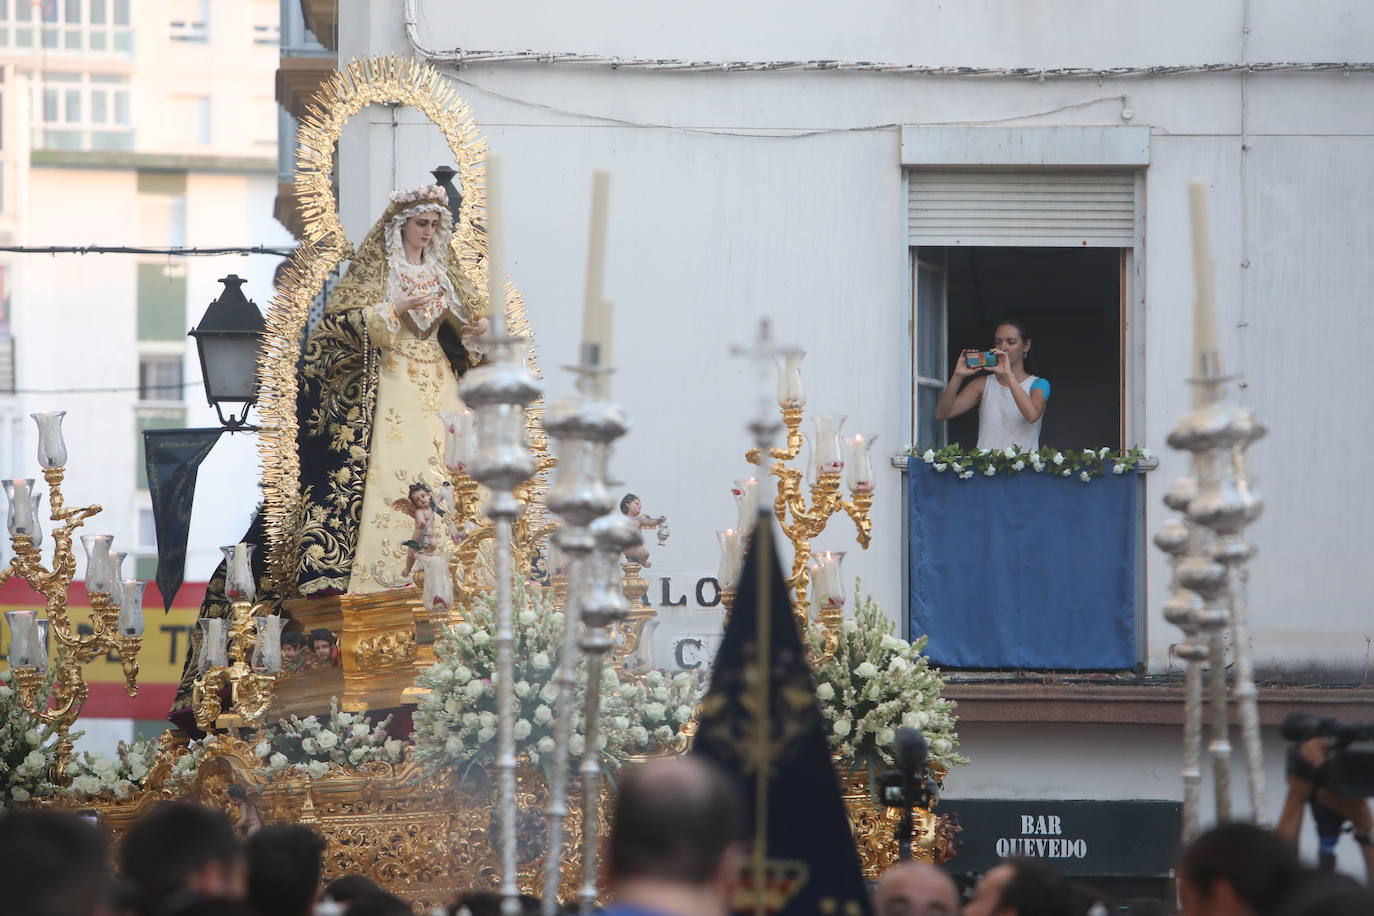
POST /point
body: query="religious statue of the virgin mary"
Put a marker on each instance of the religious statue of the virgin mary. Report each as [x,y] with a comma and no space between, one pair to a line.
[375,374]
[379,369]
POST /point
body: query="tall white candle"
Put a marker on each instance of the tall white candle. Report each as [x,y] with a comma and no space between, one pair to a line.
[496,261]
[1205,355]
[596,309]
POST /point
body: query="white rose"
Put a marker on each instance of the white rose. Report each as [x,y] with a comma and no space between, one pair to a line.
[842,727]
[310,722]
[316,769]
[102,764]
[929,456]
[528,618]
[941,466]
[1066,472]
[327,740]
[471,720]
[137,772]
[474,690]
[393,748]
[941,746]
[898,664]
[123,788]
[639,735]
[682,713]
[522,689]
[360,730]
[826,691]
[453,706]
[1118,469]
[18,793]
[956,466]
[481,638]
[277,761]
[909,718]
[1009,452]
[886,736]
[850,625]
[6,692]
[262,749]
[1104,451]
[1084,476]
[661,694]
[485,734]
[989,471]
[1146,454]
[356,755]
[522,729]
[620,722]
[486,719]
[461,675]
[655,712]
[453,745]
[1090,453]
[1019,466]
[548,693]
[542,715]
[577,744]
[966,475]
[545,745]
[345,718]
[463,629]
[866,670]
[1058,458]
[33,736]
[663,733]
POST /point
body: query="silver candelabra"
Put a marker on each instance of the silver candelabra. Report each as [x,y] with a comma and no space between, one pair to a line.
[584,428]
[499,391]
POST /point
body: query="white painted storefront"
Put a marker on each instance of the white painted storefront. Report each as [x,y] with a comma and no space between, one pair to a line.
[785,194]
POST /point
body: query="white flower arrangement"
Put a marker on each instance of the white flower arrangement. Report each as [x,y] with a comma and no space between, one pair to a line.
[1086,463]
[311,747]
[94,775]
[875,683]
[27,745]
[455,723]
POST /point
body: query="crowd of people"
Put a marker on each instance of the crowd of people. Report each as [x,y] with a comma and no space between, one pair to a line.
[675,849]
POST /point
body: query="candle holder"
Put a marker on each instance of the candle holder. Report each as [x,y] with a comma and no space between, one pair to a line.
[231,666]
[1209,555]
[32,633]
[802,519]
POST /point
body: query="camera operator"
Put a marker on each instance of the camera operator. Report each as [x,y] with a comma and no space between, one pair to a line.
[1314,744]
[1011,402]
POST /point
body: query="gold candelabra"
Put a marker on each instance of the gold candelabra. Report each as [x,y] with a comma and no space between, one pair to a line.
[116,608]
[253,658]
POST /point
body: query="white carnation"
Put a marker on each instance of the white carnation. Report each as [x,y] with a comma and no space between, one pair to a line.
[1019,466]
[544,745]
[1084,476]
[316,769]
[929,456]
[941,466]
[966,475]
[842,727]
[453,745]
[682,713]
[866,670]
[394,749]
[989,471]
[356,755]
[463,629]
[18,793]
[639,735]
[522,729]
[461,675]
[522,689]
[577,744]
[33,736]
[826,691]
[474,690]
[528,618]
[262,749]
[481,638]
[327,740]
[542,715]
[885,736]
[360,730]
[277,761]
[1058,458]
[102,764]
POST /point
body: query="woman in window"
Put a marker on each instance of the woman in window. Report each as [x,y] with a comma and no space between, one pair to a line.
[1011,402]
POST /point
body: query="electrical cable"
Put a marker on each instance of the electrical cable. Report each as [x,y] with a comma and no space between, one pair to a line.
[178,251]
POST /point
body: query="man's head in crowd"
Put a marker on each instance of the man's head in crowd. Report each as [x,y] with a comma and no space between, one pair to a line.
[674,845]
[915,889]
[1022,887]
[181,851]
[51,864]
[284,863]
[1236,870]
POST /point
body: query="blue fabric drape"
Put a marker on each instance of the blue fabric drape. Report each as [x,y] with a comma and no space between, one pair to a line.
[1023,571]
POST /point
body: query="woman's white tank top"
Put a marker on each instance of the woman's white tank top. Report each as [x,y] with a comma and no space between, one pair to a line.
[1000,423]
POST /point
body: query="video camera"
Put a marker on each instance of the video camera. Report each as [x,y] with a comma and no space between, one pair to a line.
[1346,770]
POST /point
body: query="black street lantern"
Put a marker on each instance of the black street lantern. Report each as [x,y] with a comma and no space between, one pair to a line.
[228,338]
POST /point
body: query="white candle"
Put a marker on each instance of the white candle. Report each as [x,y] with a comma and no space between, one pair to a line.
[747,498]
[496,261]
[1205,355]
[728,574]
[596,309]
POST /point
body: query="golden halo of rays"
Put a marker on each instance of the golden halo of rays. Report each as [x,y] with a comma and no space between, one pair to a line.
[387,80]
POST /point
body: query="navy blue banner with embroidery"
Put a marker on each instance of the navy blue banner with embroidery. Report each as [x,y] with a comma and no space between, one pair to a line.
[1025,570]
[173,459]
[760,721]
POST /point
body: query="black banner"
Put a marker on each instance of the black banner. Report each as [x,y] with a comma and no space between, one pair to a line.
[1079,838]
[173,458]
[761,722]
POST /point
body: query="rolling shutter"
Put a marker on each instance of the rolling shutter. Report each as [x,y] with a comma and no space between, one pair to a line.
[1022,207]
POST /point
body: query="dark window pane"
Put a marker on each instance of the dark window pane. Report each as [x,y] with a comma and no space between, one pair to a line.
[73,11]
[121,12]
[97,12]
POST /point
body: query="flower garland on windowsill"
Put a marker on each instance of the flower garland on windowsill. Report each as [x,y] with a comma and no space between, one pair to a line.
[1085,464]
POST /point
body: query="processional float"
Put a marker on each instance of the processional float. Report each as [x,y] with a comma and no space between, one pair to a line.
[380,818]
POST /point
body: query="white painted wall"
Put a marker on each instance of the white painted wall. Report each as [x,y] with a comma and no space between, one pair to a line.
[711,230]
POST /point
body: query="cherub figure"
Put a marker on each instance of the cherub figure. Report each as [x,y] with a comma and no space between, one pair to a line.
[631,506]
[420,505]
